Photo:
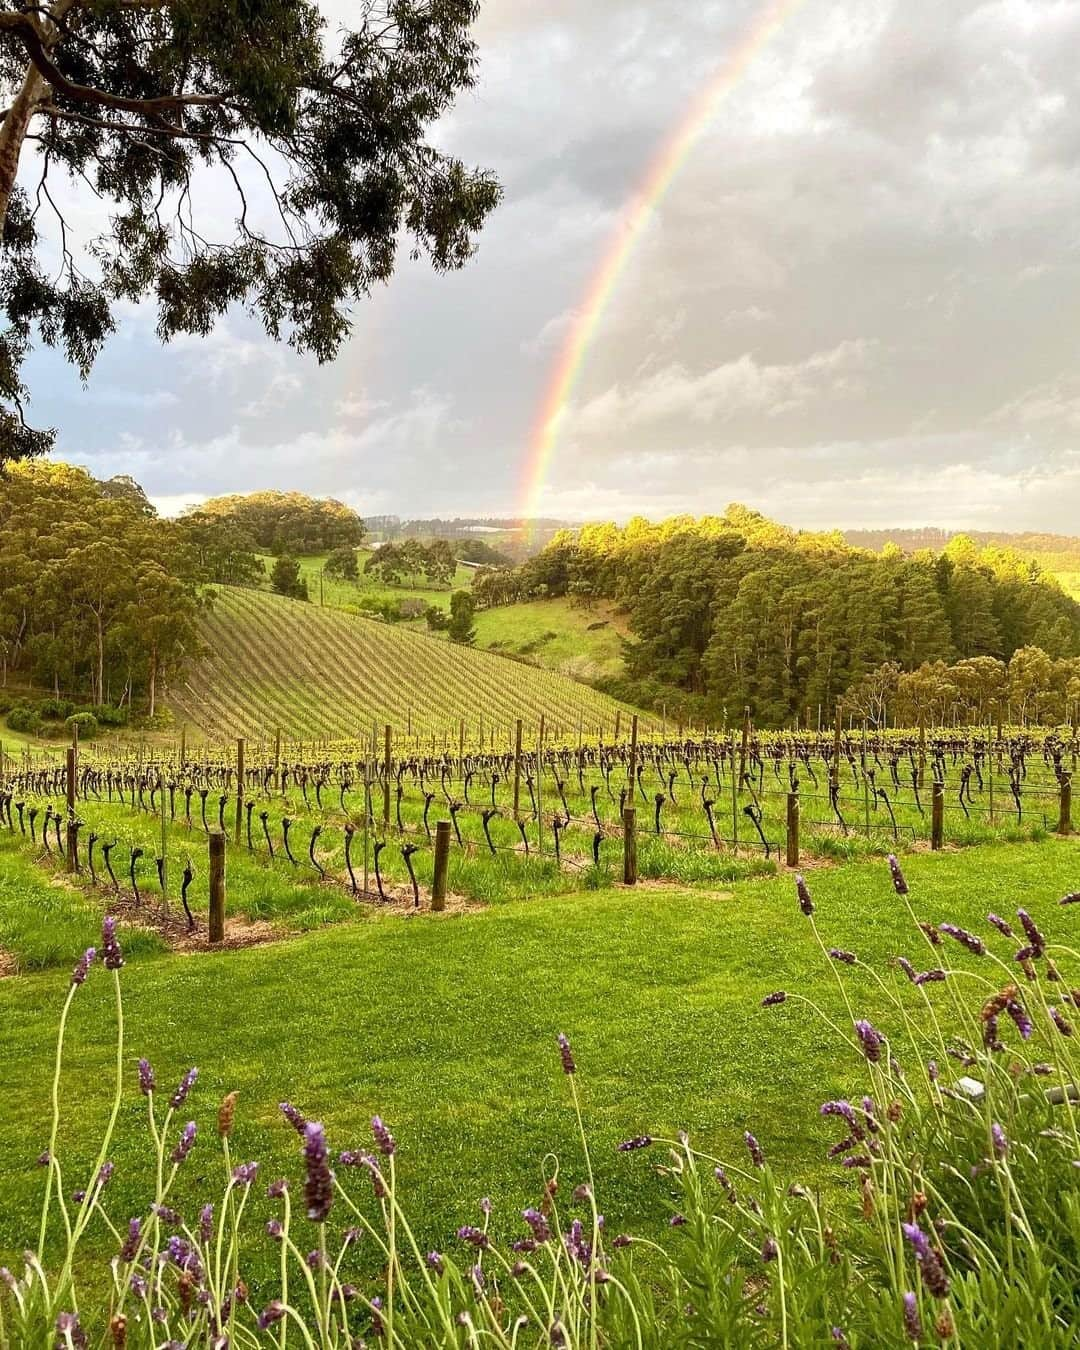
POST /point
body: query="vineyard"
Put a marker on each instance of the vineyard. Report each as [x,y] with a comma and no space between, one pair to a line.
[273,663]
[352,829]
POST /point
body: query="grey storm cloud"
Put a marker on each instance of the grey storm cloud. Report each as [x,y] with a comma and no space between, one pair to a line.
[854,305]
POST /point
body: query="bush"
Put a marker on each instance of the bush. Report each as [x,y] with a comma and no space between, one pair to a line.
[107,715]
[24,717]
[374,605]
[86,723]
[55,709]
[437,619]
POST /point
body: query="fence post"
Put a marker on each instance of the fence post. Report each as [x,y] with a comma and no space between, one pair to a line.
[164,835]
[239,788]
[217,885]
[386,782]
[1065,810]
[633,760]
[793,829]
[70,838]
[517,769]
[540,787]
[937,815]
[442,862]
[629,846]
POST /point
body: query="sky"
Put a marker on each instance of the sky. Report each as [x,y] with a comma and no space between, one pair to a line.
[857,303]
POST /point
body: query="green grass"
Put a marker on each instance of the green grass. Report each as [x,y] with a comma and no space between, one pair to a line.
[319,673]
[447,1026]
[557,634]
[343,594]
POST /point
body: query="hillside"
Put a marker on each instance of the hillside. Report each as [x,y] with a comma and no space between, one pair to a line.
[1058,554]
[276,663]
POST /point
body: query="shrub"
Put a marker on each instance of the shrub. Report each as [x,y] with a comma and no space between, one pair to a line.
[86,722]
[24,717]
[107,715]
[55,709]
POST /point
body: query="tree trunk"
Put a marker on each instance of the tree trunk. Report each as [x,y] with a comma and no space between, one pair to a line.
[153,680]
[100,662]
[13,134]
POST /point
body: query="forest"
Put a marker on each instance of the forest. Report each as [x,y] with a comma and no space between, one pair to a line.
[737,610]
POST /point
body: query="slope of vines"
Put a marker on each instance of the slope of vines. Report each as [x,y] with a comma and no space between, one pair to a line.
[271,663]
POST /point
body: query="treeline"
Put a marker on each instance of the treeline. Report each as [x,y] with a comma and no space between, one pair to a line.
[99,596]
[1054,552]
[288,522]
[737,610]
[1032,687]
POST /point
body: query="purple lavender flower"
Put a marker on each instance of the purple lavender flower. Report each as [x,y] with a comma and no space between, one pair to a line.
[771,1000]
[476,1237]
[293,1116]
[769,1250]
[1062,1023]
[131,1242]
[277,1189]
[146,1077]
[206,1223]
[930,1266]
[105,1174]
[847,1112]
[435,1261]
[82,967]
[757,1157]
[319,1184]
[912,1324]
[275,1229]
[806,904]
[538,1223]
[187,1142]
[185,1085]
[1024,955]
[932,1071]
[43,1159]
[837,1333]
[1002,925]
[67,1324]
[485,1205]
[934,976]
[838,954]
[111,954]
[1073,898]
[857,1160]
[138,1285]
[314,1259]
[640,1141]
[931,933]
[566,1055]
[1036,939]
[244,1173]
[906,966]
[271,1314]
[383,1138]
[900,886]
[621,1240]
[870,1039]
[974,944]
[167,1215]
[1018,1013]
[1000,1142]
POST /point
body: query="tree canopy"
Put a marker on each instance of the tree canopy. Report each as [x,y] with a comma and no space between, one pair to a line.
[156,107]
[287,522]
[737,610]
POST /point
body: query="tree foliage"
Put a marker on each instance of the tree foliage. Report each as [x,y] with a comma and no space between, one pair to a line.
[286,579]
[737,610]
[288,522]
[155,107]
[462,613]
[98,597]
[342,565]
[412,561]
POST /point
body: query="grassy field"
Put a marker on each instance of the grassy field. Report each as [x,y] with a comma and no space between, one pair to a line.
[273,662]
[447,1026]
[343,594]
[583,643]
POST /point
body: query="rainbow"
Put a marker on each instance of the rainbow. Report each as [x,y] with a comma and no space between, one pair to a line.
[661,173]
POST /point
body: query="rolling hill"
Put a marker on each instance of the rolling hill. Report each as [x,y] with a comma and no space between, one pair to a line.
[274,663]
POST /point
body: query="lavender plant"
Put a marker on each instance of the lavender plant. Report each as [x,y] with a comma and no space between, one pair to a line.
[959,1225]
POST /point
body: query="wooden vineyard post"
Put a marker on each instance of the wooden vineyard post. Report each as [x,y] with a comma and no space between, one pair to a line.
[369,748]
[540,787]
[239,788]
[164,836]
[865,783]
[629,819]
[922,749]
[461,746]
[183,747]
[442,863]
[386,780]
[734,795]
[277,751]
[937,816]
[633,759]
[793,829]
[217,885]
[745,745]
[517,769]
[990,772]
[1065,806]
[71,832]
[834,772]
[618,720]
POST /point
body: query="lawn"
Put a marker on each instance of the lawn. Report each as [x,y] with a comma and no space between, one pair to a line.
[447,1027]
[343,594]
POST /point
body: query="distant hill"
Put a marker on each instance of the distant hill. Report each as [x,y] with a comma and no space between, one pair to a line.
[1065,547]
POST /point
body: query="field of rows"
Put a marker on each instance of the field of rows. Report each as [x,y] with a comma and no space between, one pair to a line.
[273,663]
